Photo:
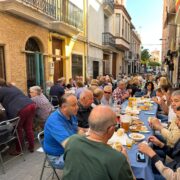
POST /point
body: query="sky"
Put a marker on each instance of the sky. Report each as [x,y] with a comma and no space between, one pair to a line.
[147,18]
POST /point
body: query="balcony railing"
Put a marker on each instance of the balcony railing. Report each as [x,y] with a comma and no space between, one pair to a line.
[70,14]
[110,3]
[172,7]
[60,10]
[46,6]
[108,39]
[130,55]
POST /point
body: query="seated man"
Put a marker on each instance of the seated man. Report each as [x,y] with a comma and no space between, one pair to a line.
[90,157]
[172,134]
[170,171]
[84,103]
[120,94]
[56,91]
[60,125]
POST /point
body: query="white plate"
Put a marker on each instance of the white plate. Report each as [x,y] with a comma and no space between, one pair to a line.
[136,136]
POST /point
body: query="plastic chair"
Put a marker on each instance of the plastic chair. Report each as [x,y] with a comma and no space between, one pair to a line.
[9,133]
[54,100]
[46,159]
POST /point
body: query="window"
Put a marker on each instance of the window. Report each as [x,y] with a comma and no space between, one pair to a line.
[126,30]
[76,65]
[123,26]
[118,23]
[2,63]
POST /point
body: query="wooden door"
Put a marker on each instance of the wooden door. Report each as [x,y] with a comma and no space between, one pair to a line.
[95,69]
[58,62]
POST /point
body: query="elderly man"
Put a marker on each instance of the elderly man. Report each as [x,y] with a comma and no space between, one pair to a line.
[172,169]
[59,127]
[120,94]
[90,157]
[84,103]
[107,96]
[172,134]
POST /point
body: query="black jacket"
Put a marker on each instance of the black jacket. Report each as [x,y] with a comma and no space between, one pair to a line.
[83,115]
[13,100]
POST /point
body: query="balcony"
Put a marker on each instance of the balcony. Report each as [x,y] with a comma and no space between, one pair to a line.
[108,6]
[69,18]
[58,15]
[40,12]
[108,40]
[122,44]
[172,7]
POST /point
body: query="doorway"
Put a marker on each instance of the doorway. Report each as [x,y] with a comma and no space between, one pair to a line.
[58,62]
[95,69]
[34,64]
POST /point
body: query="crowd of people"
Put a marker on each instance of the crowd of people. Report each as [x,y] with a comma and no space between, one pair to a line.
[77,132]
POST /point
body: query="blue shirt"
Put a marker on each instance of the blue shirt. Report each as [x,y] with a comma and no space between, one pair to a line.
[57,129]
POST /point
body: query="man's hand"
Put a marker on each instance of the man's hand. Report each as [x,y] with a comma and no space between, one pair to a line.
[156,141]
[156,124]
[144,148]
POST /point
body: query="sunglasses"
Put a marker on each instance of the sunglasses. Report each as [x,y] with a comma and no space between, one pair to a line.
[107,92]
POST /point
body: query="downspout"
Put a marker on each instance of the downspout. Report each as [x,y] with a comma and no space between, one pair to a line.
[87,37]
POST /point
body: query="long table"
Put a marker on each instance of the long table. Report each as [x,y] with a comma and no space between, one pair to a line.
[141,170]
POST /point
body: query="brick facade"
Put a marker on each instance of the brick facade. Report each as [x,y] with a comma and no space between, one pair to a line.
[14,33]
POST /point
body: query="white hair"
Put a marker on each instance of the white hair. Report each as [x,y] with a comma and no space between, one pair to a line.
[37,89]
[176,93]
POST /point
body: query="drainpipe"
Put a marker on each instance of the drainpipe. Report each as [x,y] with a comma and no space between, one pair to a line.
[87,37]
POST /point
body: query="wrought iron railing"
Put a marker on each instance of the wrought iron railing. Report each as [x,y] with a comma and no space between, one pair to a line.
[59,10]
[130,55]
[46,6]
[108,39]
[70,13]
[110,3]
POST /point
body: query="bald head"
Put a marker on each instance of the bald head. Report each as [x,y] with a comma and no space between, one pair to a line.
[86,98]
[101,118]
[85,93]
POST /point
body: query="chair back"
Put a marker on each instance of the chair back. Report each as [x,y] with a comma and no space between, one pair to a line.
[54,100]
[41,138]
[10,124]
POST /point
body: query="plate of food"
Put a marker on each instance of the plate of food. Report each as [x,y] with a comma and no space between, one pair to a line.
[137,122]
[136,136]
[144,108]
[139,128]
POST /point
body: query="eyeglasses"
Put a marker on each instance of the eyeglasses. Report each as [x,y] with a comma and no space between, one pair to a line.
[107,92]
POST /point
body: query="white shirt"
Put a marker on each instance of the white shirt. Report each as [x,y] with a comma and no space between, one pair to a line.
[171,114]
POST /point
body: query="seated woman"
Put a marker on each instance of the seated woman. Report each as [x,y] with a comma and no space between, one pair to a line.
[133,87]
[98,94]
[43,106]
[149,90]
[107,96]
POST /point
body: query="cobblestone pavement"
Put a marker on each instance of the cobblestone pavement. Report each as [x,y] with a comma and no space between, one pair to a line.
[30,169]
